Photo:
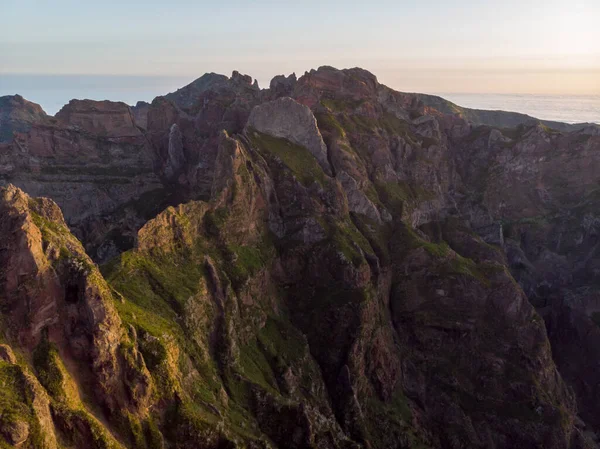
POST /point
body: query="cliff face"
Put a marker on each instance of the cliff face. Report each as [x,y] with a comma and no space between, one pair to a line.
[336,265]
[96,164]
[58,314]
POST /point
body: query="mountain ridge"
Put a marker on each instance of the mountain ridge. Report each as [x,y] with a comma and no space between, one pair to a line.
[500,118]
[409,287]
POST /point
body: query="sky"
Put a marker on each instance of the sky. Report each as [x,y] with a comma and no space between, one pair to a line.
[500,46]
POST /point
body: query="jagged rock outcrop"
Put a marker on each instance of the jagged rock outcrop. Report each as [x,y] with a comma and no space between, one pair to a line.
[282,86]
[211,86]
[288,119]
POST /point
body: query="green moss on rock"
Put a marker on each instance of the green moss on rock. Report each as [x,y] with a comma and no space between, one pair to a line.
[16,406]
[298,159]
[49,369]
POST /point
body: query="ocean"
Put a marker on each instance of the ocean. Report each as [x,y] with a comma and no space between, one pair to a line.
[52,92]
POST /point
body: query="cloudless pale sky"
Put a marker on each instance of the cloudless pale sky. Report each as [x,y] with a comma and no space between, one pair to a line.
[500,46]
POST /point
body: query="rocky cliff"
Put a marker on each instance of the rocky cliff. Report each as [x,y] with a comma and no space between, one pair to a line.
[326,263]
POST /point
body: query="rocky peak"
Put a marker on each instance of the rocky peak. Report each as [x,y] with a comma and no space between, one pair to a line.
[140,113]
[102,118]
[17,104]
[195,95]
[237,77]
[16,115]
[329,82]
[186,96]
[282,86]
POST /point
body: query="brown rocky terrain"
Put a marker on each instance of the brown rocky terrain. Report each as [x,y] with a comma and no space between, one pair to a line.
[326,263]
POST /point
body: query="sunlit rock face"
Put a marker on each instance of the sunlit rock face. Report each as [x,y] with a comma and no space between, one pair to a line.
[290,120]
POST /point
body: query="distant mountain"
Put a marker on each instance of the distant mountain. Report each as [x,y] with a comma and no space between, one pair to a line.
[16,115]
[326,263]
[501,119]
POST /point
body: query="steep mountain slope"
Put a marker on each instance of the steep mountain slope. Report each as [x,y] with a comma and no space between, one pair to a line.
[338,269]
[59,318]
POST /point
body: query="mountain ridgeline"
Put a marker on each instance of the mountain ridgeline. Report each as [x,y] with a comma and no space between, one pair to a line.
[326,263]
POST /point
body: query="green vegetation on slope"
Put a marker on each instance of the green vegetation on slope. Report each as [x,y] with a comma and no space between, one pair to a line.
[16,404]
[297,158]
[47,364]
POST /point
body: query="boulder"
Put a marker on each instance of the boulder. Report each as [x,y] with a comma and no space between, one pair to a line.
[288,119]
[16,433]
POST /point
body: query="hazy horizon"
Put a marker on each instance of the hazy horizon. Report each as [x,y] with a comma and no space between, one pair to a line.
[531,46]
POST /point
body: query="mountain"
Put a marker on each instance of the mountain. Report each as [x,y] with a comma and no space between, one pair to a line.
[17,114]
[327,263]
[501,119]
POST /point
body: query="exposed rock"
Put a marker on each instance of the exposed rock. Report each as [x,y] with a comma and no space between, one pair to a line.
[591,130]
[198,94]
[357,201]
[242,79]
[17,115]
[495,136]
[225,169]
[50,284]
[428,126]
[140,114]
[290,120]
[102,118]
[176,154]
[96,179]
[282,86]
[187,96]
[354,83]
[16,433]
[7,355]
[492,234]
